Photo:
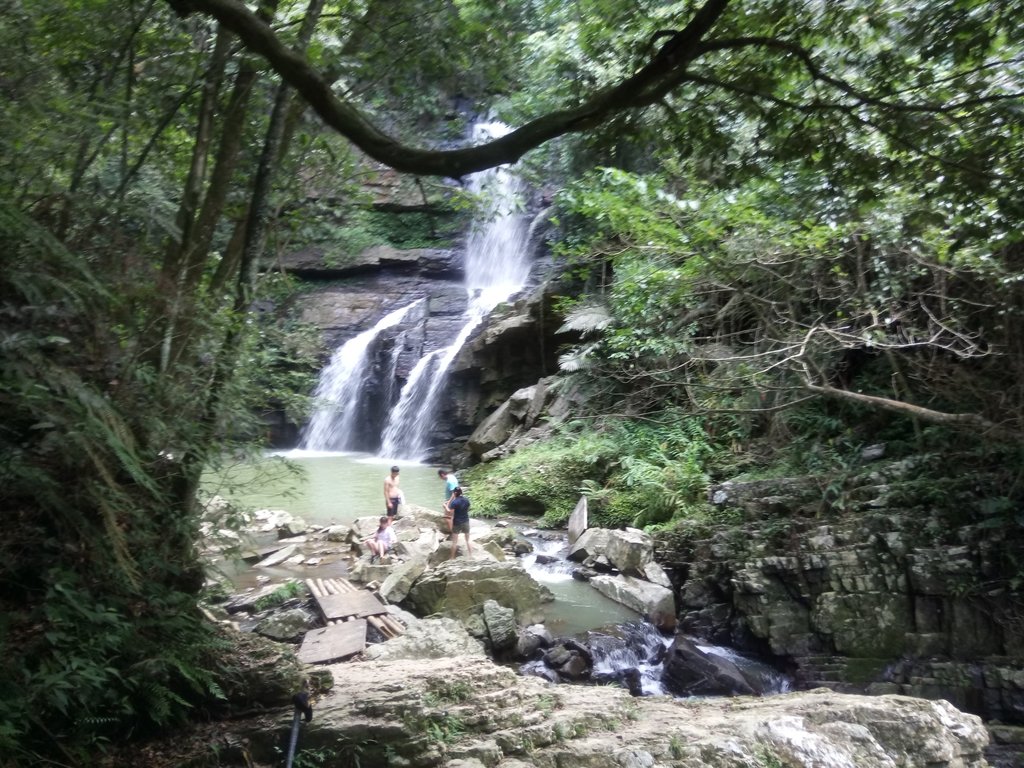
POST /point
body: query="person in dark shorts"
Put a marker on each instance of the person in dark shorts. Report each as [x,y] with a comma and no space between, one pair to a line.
[392,494]
[457,511]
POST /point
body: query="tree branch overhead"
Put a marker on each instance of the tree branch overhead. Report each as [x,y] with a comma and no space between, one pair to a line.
[664,72]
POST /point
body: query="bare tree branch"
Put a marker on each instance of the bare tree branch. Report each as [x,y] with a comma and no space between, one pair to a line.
[971,420]
[862,97]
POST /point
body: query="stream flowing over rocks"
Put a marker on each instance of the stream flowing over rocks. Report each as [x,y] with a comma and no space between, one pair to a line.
[436,696]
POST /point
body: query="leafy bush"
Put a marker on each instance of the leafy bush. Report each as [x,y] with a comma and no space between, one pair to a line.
[94,667]
[542,478]
[633,473]
[279,596]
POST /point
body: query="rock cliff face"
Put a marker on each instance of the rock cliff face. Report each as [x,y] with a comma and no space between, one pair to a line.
[467,712]
[883,599]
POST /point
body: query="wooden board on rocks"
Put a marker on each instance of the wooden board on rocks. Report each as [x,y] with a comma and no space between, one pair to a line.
[337,641]
[360,603]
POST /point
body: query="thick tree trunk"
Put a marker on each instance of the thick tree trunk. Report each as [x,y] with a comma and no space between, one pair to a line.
[256,228]
[171,270]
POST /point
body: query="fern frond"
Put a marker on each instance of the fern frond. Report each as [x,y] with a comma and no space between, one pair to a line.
[578,358]
[115,533]
[587,319]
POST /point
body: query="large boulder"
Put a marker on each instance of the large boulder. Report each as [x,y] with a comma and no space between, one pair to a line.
[286,625]
[421,542]
[689,671]
[467,711]
[363,527]
[338,533]
[628,551]
[579,520]
[254,672]
[515,415]
[365,572]
[493,431]
[422,518]
[652,601]
[436,638]
[655,574]
[501,625]
[571,660]
[398,583]
[458,589]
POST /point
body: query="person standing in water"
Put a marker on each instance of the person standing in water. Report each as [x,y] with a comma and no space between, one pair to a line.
[392,494]
[450,484]
[457,511]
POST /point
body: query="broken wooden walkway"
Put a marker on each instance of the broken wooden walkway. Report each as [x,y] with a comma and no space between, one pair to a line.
[347,610]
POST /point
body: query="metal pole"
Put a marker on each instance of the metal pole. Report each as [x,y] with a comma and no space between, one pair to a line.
[294,740]
[302,709]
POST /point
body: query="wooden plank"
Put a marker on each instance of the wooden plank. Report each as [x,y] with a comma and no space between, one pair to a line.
[314,590]
[337,641]
[360,604]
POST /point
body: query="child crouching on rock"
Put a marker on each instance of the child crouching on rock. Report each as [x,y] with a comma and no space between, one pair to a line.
[383,540]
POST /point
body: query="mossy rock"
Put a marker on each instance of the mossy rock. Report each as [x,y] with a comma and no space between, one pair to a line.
[254,672]
[864,671]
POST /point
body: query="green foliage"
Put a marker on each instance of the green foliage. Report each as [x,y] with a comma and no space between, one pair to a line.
[738,300]
[774,231]
[547,704]
[766,758]
[277,365]
[99,457]
[447,692]
[342,236]
[439,727]
[540,479]
[102,666]
[633,473]
[662,472]
[675,747]
[282,594]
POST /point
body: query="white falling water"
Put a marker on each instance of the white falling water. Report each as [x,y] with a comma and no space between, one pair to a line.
[340,388]
[497,266]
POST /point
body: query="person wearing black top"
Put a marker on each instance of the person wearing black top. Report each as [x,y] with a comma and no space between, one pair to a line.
[457,511]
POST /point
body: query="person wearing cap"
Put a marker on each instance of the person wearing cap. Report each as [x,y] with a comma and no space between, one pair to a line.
[392,494]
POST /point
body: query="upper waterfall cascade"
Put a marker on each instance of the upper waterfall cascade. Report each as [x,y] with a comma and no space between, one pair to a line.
[497,265]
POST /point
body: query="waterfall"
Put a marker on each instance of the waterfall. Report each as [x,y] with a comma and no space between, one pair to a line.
[497,266]
[341,389]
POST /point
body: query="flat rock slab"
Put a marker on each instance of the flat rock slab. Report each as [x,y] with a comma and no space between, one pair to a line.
[360,603]
[278,557]
[338,641]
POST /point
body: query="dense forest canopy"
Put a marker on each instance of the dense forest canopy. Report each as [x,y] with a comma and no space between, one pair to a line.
[761,198]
